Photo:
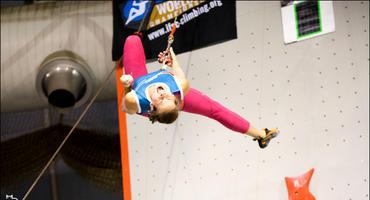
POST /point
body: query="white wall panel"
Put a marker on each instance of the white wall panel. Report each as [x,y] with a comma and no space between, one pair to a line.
[315,91]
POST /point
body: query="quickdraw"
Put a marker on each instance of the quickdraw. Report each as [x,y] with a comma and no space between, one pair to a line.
[170,40]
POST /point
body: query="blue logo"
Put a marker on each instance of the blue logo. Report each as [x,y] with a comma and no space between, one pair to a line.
[135,10]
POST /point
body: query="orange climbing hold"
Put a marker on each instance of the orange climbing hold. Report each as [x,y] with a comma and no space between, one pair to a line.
[298,187]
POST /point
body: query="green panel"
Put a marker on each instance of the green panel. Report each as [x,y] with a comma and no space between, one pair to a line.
[305,35]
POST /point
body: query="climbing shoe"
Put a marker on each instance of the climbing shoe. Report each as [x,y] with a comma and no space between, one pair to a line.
[263,142]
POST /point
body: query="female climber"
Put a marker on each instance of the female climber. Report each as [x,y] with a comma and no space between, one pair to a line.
[162,94]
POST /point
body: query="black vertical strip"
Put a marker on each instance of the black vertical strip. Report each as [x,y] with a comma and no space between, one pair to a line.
[117,40]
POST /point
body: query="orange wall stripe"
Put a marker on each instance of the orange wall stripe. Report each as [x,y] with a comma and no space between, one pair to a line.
[126,185]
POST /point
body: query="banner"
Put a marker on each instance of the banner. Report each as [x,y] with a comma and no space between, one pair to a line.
[199,23]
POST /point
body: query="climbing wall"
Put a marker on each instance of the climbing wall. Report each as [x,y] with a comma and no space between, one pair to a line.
[316,91]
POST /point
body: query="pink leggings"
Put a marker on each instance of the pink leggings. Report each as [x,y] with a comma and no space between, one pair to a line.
[194,101]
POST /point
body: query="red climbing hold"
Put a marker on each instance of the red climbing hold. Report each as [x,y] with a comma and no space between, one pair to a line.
[298,186]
